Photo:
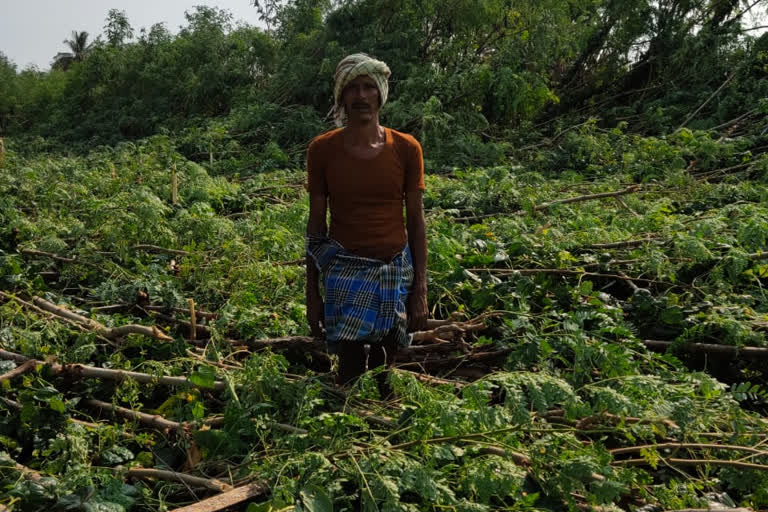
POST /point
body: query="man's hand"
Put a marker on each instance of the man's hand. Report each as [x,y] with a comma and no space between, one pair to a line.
[417,309]
[315,315]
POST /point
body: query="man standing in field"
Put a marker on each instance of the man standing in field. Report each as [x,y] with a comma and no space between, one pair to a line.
[372,262]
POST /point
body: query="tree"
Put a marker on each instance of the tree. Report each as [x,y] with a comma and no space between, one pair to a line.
[8,92]
[78,47]
[117,28]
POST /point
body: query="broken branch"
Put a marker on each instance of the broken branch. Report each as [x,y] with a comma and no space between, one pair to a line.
[227,499]
[109,374]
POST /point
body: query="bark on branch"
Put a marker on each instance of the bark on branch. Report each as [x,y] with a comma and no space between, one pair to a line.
[693,462]
[543,206]
[158,249]
[227,499]
[153,420]
[112,333]
[711,348]
[687,446]
[172,476]
[109,374]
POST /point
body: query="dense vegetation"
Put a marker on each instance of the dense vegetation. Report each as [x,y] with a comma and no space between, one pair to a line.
[597,211]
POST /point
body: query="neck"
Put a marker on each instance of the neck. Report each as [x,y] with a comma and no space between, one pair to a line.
[364,132]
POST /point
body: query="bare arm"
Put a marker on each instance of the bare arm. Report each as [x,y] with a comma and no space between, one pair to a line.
[417,241]
[316,226]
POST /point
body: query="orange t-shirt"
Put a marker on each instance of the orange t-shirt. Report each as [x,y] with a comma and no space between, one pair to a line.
[365,196]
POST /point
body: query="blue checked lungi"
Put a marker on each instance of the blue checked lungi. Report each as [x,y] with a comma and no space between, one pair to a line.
[365,298]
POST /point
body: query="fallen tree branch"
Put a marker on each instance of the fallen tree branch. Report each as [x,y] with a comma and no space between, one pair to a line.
[201,314]
[27,473]
[158,249]
[172,476]
[624,244]
[227,499]
[153,420]
[110,333]
[543,206]
[587,422]
[19,370]
[109,374]
[35,252]
[687,446]
[571,272]
[693,462]
[589,197]
[710,348]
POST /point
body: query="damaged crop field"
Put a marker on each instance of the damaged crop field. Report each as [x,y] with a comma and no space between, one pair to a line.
[597,336]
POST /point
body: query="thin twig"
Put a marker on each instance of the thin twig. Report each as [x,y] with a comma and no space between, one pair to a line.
[693,462]
[687,446]
[163,250]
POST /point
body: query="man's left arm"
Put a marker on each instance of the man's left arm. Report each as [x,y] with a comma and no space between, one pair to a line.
[417,241]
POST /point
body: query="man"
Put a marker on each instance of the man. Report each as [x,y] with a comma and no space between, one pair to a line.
[373,264]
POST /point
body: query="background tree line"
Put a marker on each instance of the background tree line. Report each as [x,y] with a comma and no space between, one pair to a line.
[473,80]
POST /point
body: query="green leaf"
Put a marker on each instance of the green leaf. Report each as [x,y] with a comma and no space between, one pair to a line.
[57,405]
[313,498]
[204,377]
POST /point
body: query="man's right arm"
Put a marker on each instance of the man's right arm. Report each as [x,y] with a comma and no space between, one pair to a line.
[316,227]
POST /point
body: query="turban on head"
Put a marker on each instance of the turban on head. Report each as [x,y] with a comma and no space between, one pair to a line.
[352,67]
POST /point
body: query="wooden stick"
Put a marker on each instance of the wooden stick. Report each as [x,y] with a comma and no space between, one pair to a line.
[27,473]
[109,374]
[174,185]
[201,330]
[227,499]
[19,370]
[429,379]
[34,252]
[543,206]
[570,272]
[172,476]
[300,261]
[711,348]
[689,446]
[693,462]
[589,197]
[163,250]
[193,319]
[624,244]
[717,91]
[153,420]
[198,313]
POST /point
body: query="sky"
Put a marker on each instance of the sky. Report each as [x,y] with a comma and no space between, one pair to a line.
[32,31]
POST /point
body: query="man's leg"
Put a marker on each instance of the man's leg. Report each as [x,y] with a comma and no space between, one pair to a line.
[351,361]
[383,354]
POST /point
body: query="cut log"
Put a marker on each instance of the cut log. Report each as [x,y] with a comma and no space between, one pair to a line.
[710,348]
[19,370]
[227,499]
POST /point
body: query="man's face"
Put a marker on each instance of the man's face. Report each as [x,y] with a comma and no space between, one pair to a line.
[361,99]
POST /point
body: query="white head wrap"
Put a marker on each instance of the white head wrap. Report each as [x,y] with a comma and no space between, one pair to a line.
[350,68]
